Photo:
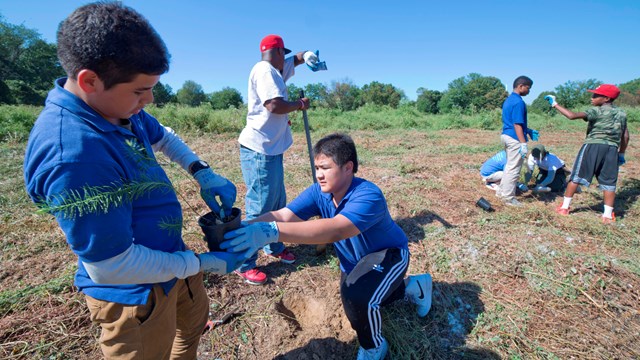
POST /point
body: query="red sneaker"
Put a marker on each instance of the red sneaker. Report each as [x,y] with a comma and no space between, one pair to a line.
[562,211]
[253,276]
[286,256]
[606,220]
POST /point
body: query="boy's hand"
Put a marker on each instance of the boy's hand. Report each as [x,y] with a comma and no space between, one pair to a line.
[534,135]
[221,262]
[621,160]
[212,185]
[552,100]
[524,149]
[251,238]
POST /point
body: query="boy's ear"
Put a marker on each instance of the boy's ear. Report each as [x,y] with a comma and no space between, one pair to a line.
[349,166]
[88,81]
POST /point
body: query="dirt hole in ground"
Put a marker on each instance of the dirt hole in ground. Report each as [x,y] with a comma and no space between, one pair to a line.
[304,312]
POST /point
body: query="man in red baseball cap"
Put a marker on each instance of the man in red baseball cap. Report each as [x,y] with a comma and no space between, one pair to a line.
[603,149]
[266,136]
[273,42]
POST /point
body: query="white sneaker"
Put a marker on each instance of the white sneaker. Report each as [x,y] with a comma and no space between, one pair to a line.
[373,354]
[419,290]
[491,186]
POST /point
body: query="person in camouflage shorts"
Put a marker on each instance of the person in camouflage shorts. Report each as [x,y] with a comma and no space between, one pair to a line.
[603,149]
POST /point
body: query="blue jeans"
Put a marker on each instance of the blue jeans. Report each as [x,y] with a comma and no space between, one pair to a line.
[264,177]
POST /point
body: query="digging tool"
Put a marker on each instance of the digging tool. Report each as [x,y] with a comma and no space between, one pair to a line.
[319,248]
[223,320]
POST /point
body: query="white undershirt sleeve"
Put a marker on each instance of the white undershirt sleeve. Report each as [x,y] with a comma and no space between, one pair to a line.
[175,149]
[141,265]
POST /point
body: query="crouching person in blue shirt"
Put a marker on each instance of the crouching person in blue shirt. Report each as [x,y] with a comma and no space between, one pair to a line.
[371,247]
[90,162]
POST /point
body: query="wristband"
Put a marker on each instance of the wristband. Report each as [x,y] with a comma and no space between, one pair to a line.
[301,104]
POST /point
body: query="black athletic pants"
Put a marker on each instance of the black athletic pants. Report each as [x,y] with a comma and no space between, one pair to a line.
[377,279]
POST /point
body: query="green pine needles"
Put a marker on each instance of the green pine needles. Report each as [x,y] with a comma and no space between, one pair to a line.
[97,199]
[73,203]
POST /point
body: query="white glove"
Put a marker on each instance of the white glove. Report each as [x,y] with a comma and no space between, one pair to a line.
[540,188]
[551,99]
[523,150]
[221,262]
[311,59]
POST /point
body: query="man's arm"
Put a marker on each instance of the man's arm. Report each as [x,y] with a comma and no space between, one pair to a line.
[281,106]
[299,58]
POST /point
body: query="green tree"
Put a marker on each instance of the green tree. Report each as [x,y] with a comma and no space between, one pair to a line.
[226,98]
[381,94]
[5,94]
[427,100]
[473,92]
[191,94]
[630,93]
[28,64]
[163,94]
[294,92]
[542,106]
[317,94]
[344,96]
[574,93]
[23,93]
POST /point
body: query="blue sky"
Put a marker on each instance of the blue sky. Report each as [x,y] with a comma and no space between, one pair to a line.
[409,44]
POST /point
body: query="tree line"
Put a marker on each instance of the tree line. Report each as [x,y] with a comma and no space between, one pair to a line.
[28,66]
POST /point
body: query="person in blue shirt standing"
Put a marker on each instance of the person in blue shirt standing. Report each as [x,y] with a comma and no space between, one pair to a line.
[372,248]
[90,162]
[514,139]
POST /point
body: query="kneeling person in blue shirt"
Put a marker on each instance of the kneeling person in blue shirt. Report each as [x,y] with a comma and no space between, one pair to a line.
[90,161]
[372,249]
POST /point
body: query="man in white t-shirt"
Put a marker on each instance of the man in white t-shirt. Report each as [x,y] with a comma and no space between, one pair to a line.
[266,136]
[551,171]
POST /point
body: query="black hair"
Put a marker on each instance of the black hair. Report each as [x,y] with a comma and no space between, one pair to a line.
[339,147]
[522,80]
[113,40]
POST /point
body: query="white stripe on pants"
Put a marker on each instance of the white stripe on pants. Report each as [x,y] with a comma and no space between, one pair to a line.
[507,189]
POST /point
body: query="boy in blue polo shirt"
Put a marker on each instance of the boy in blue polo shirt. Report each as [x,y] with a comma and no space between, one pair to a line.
[90,162]
[514,139]
[372,249]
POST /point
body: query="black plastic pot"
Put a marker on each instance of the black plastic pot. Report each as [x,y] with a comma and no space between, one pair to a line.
[214,232]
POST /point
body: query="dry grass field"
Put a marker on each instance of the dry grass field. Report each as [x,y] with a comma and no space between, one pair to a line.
[516,283]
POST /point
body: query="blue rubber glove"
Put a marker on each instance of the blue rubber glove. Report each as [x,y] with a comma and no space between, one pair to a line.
[313,61]
[534,135]
[221,262]
[551,99]
[212,185]
[251,238]
[621,160]
[523,150]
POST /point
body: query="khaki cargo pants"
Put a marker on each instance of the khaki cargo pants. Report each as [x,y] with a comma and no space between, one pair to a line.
[166,327]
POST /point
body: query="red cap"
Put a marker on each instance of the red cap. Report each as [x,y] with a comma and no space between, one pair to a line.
[272,42]
[610,91]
